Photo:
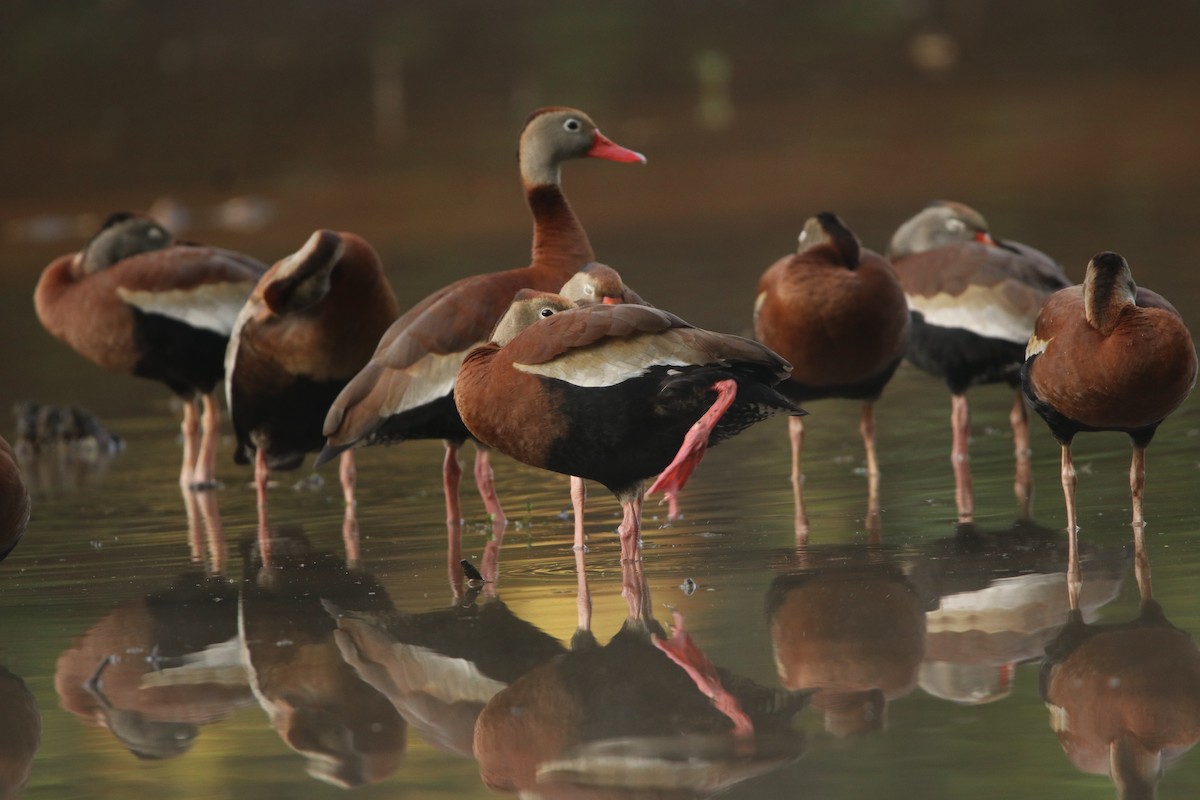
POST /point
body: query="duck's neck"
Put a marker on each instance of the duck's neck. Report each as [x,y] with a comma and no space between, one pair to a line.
[1105,294]
[560,244]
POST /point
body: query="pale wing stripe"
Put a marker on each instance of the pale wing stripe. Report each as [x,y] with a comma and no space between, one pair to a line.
[212,307]
[618,361]
[977,311]
[430,378]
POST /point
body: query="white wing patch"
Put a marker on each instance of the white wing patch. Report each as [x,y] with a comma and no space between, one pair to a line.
[618,361]
[1036,346]
[212,307]
[430,378]
[976,310]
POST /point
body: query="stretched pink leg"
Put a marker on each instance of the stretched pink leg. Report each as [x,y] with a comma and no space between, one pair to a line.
[1137,485]
[348,474]
[796,437]
[261,475]
[1023,479]
[695,442]
[578,503]
[205,476]
[191,435]
[683,651]
[486,483]
[960,457]
[451,473]
[866,427]
[1074,576]
[631,526]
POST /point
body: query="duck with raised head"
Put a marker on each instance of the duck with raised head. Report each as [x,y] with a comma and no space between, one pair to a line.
[310,325]
[836,311]
[406,390]
[974,298]
[614,394]
[1108,356]
[135,300]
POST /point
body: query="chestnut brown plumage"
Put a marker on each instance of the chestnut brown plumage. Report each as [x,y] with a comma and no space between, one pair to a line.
[1108,356]
[974,298]
[836,312]
[134,300]
[14,501]
[614,393]
[406,390]
[310,325]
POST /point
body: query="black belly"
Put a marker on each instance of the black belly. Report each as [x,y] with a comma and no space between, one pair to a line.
[620,435]
[436,420]
[286,423]
[186,359]
[866,389]
[962,358]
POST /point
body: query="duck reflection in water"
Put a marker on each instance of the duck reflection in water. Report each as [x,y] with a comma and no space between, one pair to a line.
[1124,698]
[848,627]
[642,716]
[440,668]
[347,732]
[158,668]
[20,735]
[996,601]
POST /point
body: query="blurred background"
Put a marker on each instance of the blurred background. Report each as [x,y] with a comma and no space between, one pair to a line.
[1071,125]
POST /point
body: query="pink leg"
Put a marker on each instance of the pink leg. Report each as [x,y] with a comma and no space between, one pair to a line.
[672,498]
[211,515]
[489,565]
[680,469]
[350,536]
[1137,485]
[454,558]
[486,483]
[348,475]
[866,427]
[578,503]
[960,457]
[1074,576]
[583,594]
[631,528]
[796,436]
[195,526]
[206,460]
[1141,564]
[691,659]
[191,436]
[261,475]
[451,473]
[1023,480]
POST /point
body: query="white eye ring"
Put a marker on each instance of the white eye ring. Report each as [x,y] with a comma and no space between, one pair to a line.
[956,224]
[547,312]
[589,289]
[572,124]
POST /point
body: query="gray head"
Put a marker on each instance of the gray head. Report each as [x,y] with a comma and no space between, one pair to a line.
[122,235]
[827,228]
[597,283]
[554,135]
[528,308]
[939,224]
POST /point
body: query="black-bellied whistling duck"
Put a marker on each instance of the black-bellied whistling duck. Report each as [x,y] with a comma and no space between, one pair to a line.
[14,501]
[310,325]
[835,311]
[134,300]
[600,283]
[614,394]
[406,390]
[1108,356]
[973,299]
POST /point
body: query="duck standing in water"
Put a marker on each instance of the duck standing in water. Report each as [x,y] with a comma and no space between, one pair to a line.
[614,394]
[310,325]
[974,299]
[406,390]
[134,300]
[835,311]
[1108,356]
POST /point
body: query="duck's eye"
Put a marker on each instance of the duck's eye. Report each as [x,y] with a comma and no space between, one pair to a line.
[547,312]
[955,225]
[589,289]
[572,124]
[155,233]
